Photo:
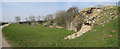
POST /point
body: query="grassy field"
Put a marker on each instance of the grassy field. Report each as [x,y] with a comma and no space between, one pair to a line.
[19,35]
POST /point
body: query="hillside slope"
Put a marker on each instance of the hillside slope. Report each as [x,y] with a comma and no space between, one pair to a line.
[39,36]
[103,34]
[93,17]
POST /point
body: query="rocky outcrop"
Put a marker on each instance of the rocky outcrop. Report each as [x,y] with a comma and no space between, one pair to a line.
[92,16]
[84,17]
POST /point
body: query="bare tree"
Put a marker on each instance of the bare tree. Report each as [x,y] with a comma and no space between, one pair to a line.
[60,18]
[63,17]
[32,19]
[26,19]
[71,13]
[38,18]
[49,17]
[43,18]
[17,18]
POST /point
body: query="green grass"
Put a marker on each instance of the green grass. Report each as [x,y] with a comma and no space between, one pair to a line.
[106,16]
[104,32]
[19,35]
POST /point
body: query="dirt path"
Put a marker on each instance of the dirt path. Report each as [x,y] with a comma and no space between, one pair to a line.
[3,42]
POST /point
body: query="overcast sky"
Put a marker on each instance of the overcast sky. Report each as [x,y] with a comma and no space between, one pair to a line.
[60,0]
[12,8]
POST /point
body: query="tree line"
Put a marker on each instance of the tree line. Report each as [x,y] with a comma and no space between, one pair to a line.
[33,18]
[60,17]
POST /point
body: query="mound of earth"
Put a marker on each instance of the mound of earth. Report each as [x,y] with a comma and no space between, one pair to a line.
[91,17]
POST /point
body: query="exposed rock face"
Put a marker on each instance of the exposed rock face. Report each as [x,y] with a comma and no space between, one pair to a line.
[88,21]
[76,23]
[83,30]
[92,16]
[86,17]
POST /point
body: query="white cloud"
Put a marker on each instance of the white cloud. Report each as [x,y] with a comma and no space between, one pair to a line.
[60,0]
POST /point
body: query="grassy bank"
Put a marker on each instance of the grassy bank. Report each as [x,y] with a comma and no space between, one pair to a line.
[39,36]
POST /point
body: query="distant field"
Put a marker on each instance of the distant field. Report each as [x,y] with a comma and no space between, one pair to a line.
[39,36]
